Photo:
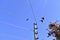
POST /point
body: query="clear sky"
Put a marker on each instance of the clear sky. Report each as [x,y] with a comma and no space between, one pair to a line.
[13,14]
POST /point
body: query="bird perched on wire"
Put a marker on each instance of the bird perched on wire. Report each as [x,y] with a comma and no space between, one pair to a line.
[42,19]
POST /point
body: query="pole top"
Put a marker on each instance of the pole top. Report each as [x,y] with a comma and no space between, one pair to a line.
[35,23]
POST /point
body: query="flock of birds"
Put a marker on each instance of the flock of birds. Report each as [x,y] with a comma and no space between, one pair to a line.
[42,19]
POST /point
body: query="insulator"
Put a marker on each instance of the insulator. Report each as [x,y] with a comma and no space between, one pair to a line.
[36,28]
[36,32]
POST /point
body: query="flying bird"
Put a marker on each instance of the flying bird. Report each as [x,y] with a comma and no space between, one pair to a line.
[42,19]
[27,19]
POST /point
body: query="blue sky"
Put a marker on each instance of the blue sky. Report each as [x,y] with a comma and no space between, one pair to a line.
[13,14]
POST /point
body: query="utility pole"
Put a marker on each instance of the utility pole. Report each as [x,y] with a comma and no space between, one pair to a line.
[35,31]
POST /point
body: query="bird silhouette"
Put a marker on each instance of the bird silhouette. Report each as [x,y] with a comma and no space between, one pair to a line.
[27,19]
[42,19]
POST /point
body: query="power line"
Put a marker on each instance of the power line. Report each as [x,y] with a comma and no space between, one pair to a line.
[32,9]
[15,26]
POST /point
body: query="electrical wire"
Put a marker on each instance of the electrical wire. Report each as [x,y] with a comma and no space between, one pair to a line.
[15,26]
[32,9]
